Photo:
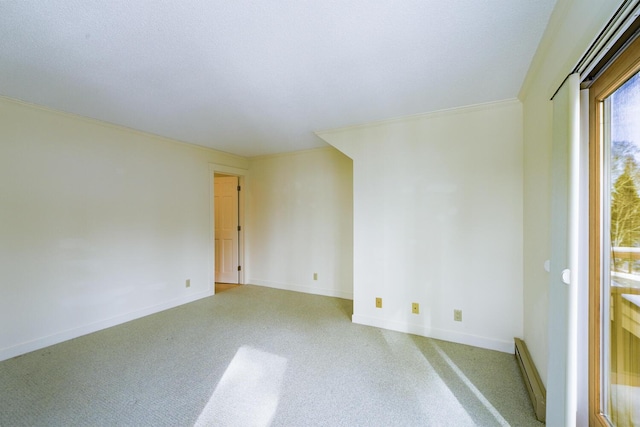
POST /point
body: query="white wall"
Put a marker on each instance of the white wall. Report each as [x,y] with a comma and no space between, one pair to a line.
[438,221]
[300,222]
[573,27]
[98,225]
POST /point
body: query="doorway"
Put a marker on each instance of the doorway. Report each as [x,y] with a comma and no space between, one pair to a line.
[227,229]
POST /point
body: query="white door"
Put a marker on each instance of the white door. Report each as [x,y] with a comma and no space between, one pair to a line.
[225,203]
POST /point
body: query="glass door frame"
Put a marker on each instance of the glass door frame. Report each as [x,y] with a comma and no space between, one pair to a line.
[621,69]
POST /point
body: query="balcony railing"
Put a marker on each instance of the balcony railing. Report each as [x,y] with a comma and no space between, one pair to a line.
[625,316]
[626,257]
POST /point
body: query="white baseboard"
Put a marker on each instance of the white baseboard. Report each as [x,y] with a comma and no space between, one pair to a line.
[38,343]
[304,289]
[441,334]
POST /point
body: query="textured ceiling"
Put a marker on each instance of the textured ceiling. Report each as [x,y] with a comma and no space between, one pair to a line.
[255,77]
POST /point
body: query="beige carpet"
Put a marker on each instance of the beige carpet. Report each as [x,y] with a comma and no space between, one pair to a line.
[260,356]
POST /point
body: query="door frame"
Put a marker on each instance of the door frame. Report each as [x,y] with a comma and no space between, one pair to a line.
[230,188]
[621,69]
[241,174]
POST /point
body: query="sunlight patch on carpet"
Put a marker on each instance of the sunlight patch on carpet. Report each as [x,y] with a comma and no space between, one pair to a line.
[248,392]
[435,399]
[471,387]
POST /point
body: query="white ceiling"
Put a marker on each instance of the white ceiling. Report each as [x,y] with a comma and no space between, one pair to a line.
[255,77]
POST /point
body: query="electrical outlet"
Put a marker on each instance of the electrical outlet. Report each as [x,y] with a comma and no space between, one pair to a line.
[457,315]
[315,276]
[187,283]
[415,308]
[378,302]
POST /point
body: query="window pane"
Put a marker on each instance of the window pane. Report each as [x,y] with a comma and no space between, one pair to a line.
[621,257]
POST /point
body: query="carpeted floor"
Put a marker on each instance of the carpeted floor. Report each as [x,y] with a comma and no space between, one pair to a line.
[254,356]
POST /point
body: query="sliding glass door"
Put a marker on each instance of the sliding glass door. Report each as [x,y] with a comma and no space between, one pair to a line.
[615,242]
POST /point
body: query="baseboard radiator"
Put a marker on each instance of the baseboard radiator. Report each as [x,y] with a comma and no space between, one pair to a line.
[532,380]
